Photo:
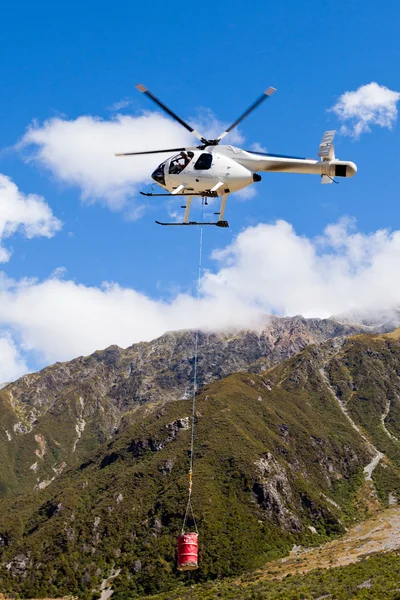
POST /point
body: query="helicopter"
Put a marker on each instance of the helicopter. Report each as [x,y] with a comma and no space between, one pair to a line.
[211,170]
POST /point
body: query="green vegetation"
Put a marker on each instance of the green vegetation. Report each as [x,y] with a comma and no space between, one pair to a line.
[372,579]
[265,461]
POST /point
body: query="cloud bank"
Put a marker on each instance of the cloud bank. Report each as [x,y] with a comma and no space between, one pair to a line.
[267,269]
[28,215]
[370,104]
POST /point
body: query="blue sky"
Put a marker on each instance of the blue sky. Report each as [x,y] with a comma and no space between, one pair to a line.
[80,59]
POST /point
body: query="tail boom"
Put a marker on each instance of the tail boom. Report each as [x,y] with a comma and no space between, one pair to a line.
[332,168]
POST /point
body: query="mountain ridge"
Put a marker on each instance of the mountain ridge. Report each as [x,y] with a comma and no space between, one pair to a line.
[96,395]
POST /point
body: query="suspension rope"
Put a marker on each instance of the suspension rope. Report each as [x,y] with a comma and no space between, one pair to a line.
[189,507]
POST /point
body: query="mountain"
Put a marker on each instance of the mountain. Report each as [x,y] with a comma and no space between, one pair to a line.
[286,455]
[50,420]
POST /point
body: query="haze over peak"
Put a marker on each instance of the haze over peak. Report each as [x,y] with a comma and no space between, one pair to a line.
[384,320]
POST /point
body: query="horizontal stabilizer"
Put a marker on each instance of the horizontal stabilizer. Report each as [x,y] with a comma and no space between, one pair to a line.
[326,149]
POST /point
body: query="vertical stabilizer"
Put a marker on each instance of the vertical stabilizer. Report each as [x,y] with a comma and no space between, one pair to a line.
[326,148]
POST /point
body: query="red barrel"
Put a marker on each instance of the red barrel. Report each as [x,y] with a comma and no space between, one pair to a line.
[187,551]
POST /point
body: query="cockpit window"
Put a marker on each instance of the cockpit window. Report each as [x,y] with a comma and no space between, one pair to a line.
[204,162]
[159,174]
[180,162]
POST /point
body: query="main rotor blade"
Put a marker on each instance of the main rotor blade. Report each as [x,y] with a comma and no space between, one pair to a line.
[257,103]
[144,90]
[153,151]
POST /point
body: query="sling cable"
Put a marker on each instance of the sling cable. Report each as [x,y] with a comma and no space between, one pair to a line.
[188,541]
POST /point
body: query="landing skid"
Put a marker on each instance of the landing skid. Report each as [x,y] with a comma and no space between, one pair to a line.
[203,194]
[217,223]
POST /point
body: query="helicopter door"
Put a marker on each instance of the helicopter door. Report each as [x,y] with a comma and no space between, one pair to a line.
[203,171]
[176,174]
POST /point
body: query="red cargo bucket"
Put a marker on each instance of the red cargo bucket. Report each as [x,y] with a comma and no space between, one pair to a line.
[187,552]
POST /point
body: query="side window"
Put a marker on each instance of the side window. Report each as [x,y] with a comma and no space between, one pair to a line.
[204,162]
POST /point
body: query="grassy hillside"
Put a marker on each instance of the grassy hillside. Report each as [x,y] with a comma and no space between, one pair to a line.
[374,578]
[271,458]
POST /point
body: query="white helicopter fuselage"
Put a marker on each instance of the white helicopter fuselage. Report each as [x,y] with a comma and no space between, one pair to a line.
[221,169]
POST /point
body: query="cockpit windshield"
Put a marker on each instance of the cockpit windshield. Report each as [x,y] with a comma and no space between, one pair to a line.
[159,174]
[180,162]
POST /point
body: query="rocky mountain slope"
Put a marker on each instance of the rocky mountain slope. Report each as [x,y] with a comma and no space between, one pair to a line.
[51,419]
[286,455]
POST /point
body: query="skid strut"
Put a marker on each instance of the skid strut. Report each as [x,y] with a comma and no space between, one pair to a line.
[187,209]
[186,222]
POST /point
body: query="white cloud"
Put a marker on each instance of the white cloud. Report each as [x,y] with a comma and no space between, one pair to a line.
[211,127]
[267,268]
[121,104]
[370,104]
[257,147]
[81,152]
[12,364]
[246,193]
[26,214]
[58,273]
[271,267]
